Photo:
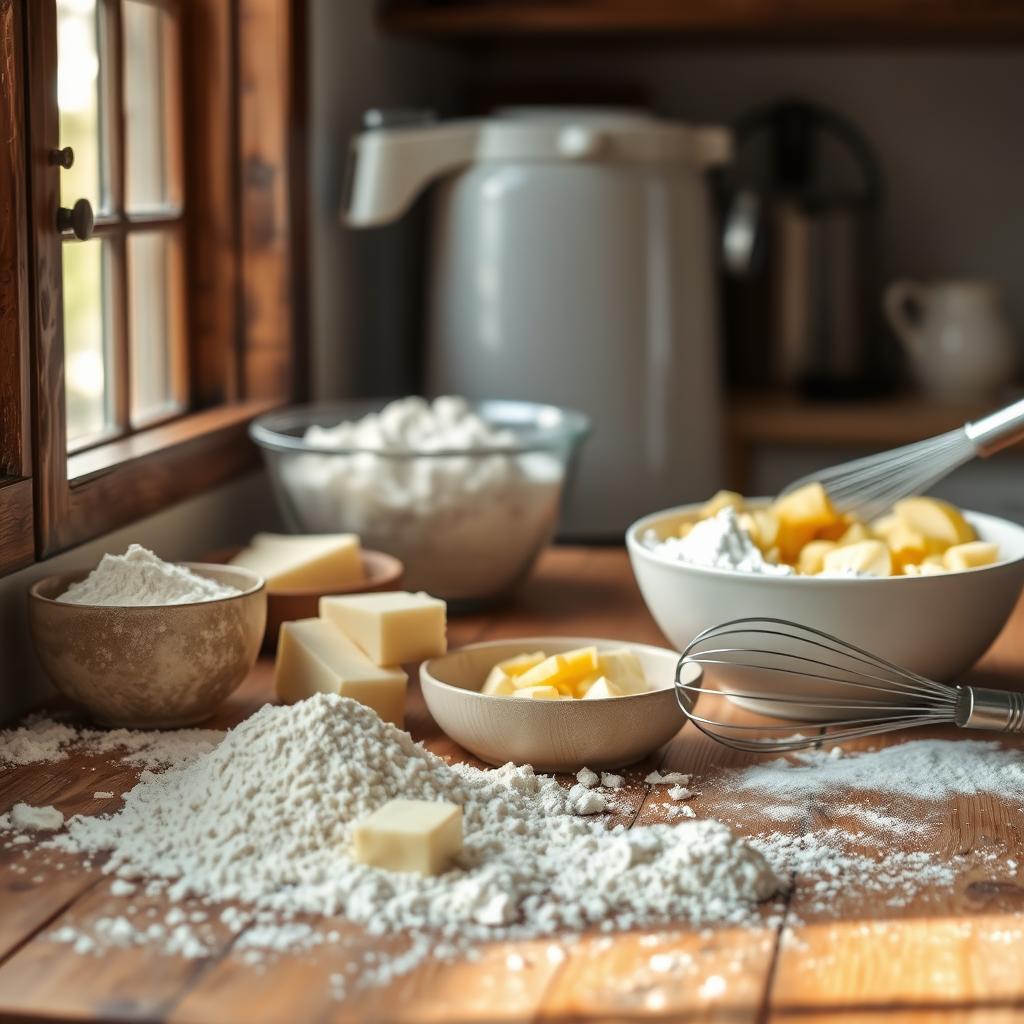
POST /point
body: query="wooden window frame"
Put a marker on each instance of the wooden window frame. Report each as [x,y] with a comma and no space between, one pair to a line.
[17,547]
[244,102]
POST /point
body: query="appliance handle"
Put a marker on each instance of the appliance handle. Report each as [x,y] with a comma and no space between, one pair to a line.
[389,167]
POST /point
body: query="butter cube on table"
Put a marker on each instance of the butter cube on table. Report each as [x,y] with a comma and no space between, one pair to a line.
[314,656]
[304,562]
[391,628]
[409,835]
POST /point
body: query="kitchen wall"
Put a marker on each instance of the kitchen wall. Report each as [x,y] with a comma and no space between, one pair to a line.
[364,284]
[946,126]
[221,518]
[945,123]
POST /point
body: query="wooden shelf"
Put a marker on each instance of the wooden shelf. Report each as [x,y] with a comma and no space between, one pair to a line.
[788,419]
[742,21]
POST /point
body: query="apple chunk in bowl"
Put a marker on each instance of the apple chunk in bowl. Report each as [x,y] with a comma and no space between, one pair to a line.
[936,625]
[553,736]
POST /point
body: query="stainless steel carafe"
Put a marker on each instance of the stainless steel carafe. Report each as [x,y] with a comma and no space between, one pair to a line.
[798,239]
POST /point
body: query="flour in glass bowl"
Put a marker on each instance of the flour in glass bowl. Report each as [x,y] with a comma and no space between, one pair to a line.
[717,543]
[434,484]
[138,577]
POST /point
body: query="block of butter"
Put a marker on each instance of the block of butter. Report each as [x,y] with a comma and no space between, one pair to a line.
[304,562]
[314,656]
[393,627]
[409,835]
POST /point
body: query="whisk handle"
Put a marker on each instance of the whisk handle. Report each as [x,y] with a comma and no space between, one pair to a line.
[994,710]
[998,430]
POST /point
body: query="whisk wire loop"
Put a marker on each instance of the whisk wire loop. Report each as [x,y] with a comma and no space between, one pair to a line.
[839,690]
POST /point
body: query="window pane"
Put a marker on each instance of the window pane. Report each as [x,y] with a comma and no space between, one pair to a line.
[151,89]
[78,97]
[154,324]
[87,384]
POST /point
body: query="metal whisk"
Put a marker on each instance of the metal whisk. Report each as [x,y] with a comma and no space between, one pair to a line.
[868,487]
[782,669]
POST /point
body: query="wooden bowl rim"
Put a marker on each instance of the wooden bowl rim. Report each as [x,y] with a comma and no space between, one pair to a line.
[65,579]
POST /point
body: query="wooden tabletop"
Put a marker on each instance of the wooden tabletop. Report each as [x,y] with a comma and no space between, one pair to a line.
[955,954]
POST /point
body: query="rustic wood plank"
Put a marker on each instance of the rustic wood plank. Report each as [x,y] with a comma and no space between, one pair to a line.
[15,425]
[952,954]
[210,105]
[950,958]
[761,21]
[265,96]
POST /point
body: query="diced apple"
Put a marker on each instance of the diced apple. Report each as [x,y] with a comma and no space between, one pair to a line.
[562,671]
[521,663]
[908,546]
[924,569]
[812,556]
[537,693]
[935,520]
[498,683]
[763,527]
[604,687]
[971,555]
[622,667]
[723,499]
[809,506]
[868,556]
[854,534]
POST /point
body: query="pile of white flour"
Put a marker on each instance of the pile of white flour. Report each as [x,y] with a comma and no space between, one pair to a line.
[138,577]
[266,816]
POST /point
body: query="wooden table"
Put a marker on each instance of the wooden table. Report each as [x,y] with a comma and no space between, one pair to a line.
[954,955]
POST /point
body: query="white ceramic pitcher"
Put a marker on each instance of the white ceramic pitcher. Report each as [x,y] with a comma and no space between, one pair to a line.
[956,334]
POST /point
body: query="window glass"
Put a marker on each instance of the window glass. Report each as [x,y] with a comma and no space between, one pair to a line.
[78,100]
[154,278]
[87,376]
[150,92]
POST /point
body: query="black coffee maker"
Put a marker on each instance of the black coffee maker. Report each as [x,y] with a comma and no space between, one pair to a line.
[800,207]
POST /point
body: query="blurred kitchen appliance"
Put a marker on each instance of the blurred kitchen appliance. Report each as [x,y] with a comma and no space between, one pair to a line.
[959,342]
[571,261]
[798,241]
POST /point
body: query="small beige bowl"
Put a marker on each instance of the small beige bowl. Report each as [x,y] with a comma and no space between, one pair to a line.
[553,736]
[155,666]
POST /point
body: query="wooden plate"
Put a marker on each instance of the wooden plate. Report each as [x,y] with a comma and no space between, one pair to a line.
[382,572]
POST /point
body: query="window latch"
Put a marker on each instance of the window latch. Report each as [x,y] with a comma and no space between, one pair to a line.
[78,220]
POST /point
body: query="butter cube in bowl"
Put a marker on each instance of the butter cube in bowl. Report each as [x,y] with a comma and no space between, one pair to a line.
[557,703]
[300,569]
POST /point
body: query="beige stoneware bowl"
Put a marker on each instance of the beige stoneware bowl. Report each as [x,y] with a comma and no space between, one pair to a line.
[151,667]
[553,736]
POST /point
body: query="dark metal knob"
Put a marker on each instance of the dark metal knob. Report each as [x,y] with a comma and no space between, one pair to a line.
[63,157]
[78,220]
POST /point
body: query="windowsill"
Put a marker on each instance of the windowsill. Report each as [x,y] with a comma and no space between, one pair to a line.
[88,465]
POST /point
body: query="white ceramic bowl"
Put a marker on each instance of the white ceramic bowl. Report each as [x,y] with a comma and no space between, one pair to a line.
[553,736]
[937,626]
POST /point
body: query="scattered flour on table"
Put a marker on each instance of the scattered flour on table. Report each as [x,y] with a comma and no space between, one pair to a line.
[138,577]
[922,769]
[27,818]
[42,739]
[265,818]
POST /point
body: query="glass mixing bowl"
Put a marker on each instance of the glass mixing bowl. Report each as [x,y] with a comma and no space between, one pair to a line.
[467,522]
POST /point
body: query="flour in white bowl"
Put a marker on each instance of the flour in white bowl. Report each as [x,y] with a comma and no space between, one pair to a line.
[717,543]
[138,577]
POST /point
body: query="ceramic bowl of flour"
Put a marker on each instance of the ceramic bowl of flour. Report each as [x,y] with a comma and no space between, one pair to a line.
[553,736]
[937,626]
[149,666]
